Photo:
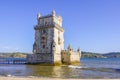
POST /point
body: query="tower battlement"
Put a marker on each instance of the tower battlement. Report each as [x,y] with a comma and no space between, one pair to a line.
[49,19]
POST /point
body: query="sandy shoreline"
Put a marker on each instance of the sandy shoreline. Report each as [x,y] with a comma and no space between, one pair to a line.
[36,78]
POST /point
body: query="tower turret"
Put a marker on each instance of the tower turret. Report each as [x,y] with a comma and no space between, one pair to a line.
[53,13]
[49,37]
[38,16]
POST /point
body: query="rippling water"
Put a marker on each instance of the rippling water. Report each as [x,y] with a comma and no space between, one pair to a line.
[89,68]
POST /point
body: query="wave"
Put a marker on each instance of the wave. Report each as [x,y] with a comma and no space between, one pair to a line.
[75,67]
[7,75]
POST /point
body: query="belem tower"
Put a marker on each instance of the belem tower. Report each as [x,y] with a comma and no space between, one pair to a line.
[48,47]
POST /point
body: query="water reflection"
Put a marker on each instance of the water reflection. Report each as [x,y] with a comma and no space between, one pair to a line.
[53,71]
[88,69]
[45,71]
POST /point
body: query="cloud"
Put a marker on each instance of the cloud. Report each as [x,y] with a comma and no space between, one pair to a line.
[9,49]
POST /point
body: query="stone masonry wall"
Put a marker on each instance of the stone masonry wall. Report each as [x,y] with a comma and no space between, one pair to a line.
[75,57]
[70,57]
[40,58]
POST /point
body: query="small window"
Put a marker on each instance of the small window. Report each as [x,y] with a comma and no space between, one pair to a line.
[59,37]
[43,46]
[44,31]
[43,38]
[58,40]
[45,23]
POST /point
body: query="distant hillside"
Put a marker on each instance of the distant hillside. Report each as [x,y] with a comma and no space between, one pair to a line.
[112,55]
[13,55]
[84,55]
[98,55]
[92,55]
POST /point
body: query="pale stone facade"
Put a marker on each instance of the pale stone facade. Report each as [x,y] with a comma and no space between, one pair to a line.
[70,56]
[49,40]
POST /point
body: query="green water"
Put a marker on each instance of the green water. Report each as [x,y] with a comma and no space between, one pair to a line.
[89,68]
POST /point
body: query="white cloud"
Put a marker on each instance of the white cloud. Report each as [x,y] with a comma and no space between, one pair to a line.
[9,49]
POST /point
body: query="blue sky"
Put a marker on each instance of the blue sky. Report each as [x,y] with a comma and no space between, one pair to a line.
[92,25]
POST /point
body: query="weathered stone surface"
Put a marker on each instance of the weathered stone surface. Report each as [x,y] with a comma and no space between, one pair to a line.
[40,58]
[70,57]
[49,42]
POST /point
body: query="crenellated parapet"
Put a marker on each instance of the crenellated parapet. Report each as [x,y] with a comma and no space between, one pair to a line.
[49,19]
[71,56]
[46,26]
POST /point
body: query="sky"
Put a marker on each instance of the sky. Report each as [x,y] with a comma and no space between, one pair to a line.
[91,25]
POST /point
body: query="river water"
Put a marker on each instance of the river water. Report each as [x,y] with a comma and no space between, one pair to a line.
[89,68]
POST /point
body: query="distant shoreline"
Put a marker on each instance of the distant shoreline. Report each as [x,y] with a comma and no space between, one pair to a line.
[84,55]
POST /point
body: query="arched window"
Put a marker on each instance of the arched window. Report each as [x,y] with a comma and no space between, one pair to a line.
[44,31]
[59,41]
[43,39]
[43,46]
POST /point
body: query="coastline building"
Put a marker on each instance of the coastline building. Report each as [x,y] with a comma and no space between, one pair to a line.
[48,47]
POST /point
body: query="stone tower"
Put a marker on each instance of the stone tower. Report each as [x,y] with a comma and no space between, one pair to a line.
[49,39]
[48,47]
